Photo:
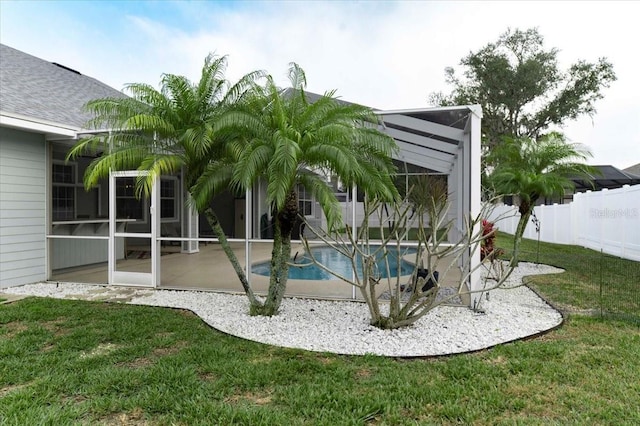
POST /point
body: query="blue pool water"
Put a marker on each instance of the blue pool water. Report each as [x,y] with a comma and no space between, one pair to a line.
[338,263]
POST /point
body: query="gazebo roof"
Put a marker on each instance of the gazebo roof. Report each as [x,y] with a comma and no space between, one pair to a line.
[429,137]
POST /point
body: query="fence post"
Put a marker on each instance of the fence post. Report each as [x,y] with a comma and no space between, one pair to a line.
[592,203]
[556,219]
[601,283]
[574,217]
[623,248]
[603,223]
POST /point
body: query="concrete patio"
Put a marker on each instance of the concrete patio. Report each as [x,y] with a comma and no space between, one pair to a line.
[210,270]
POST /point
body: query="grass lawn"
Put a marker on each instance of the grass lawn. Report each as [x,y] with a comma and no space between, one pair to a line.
[579,289]
[75,362]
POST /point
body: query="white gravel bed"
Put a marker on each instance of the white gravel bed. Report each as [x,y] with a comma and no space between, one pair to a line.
[343,327]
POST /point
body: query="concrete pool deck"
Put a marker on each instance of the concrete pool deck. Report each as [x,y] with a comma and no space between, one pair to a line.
[210,270]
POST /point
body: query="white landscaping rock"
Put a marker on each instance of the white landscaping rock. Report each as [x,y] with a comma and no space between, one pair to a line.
[343,327]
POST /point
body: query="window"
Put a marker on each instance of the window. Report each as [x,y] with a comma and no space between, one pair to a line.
[63,198]
[63,194]
[130,207]
[64,173]
[168,198]
[127,205]
[305,201]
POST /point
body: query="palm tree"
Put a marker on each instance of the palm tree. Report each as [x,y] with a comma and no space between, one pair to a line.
[530,169]
[282,138]
[165,131]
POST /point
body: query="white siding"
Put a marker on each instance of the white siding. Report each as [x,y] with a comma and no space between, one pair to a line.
[67,253]
[22,207]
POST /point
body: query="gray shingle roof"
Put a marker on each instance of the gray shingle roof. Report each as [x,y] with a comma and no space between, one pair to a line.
[633,170]
[610,177]
[39,89]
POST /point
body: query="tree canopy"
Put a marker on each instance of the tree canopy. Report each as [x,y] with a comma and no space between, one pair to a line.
[226,136]
[162,131]
[282,138]
[287,140]
[521,88]
[166,131]
[530,169]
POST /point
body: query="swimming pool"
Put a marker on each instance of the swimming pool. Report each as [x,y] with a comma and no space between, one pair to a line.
[338,263]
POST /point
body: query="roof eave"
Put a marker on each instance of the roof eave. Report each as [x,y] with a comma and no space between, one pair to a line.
[32,124]
[475,109]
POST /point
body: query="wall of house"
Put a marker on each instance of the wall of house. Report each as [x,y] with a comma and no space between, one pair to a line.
[22,207]
[88,205]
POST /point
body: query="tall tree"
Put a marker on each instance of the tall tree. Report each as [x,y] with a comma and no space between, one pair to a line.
[530,169]
[521,88]
[165,131]
[282,138]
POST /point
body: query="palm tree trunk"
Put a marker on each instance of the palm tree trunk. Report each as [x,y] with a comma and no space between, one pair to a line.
[214,223]
[280,256]
[517,238]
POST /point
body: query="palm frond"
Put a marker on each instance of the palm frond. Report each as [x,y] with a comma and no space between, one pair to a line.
[211,79]
[297,76]
[236,92]
[253,160]
[213,180]
[90,145]
[157,166]
[324,195]
[538,168]
[121,159]
[282,170]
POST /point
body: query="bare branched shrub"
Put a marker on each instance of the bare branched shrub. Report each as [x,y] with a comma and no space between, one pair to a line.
[434,257]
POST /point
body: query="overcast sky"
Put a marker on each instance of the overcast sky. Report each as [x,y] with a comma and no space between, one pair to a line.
[387,55]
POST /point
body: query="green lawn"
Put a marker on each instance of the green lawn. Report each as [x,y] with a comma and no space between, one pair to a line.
[591,280]
[74,362]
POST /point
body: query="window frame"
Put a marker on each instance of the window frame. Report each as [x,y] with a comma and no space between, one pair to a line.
[145,206]
[305,196]
[73,184]
[176,199]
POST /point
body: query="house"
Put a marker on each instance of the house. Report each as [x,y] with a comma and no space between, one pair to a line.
[634,170]
[50,225]
[40,118]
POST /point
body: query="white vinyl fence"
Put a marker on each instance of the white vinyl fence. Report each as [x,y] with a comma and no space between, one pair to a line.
[607,220]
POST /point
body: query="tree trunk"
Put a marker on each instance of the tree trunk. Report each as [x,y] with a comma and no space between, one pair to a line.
[279,273]
[280,257]
[517,238]
[213,221]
